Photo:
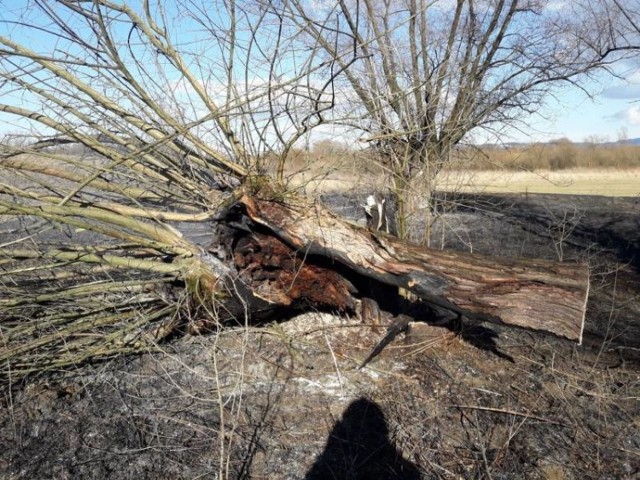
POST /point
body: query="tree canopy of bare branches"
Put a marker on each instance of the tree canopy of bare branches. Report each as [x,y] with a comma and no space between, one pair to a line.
[125,117]
[425,74]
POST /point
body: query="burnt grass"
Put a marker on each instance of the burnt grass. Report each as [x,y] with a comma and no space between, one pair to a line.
[287,400]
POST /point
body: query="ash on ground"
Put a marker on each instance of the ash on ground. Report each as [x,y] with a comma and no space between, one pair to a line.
[287,400]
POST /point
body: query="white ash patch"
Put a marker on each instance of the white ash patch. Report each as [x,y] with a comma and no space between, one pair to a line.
[312,322]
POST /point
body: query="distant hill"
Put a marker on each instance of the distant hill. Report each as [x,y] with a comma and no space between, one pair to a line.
[630,141]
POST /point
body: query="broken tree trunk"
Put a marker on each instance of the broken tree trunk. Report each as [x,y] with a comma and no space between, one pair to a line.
[294,242]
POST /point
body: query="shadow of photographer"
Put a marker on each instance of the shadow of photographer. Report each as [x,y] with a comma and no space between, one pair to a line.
[359,447]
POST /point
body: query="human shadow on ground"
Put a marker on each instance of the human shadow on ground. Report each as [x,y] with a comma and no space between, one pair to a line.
[359,447]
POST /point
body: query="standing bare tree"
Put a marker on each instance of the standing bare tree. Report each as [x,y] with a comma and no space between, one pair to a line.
[427,73]
[628,30]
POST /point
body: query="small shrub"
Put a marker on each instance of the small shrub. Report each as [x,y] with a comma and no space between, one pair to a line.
[558,162]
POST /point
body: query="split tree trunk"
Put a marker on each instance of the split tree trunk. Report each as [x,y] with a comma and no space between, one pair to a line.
[293,253]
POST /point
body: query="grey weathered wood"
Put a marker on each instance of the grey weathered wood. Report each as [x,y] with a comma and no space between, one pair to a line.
[529,293]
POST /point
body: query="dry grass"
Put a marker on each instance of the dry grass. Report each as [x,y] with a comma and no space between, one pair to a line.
[607,182]
[266,402]
[276,400]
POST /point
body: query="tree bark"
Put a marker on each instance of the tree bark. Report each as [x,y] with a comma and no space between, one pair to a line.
[296,253]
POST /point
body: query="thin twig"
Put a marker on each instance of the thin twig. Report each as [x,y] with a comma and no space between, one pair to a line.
[509,412]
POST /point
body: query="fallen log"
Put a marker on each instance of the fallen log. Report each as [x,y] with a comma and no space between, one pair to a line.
[528,293]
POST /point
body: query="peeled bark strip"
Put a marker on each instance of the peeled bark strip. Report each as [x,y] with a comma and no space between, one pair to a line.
[530,293]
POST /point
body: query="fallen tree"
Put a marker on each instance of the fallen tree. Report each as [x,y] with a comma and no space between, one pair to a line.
[133,135]
[535,294]
[274,252]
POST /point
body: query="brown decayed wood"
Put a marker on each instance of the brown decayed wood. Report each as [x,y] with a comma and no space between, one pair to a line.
[283,277]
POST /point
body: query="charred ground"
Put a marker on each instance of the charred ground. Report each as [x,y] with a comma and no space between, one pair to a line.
[286,400]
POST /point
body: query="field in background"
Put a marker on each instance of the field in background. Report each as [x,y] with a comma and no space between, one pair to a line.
[607,182]
[560,167]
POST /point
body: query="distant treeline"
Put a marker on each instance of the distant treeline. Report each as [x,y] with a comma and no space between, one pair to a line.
[556,155]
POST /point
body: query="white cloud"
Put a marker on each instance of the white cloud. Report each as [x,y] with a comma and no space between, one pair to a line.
[633,115]
[630,115]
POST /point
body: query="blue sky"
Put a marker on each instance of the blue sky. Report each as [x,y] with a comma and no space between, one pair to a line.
[611,110]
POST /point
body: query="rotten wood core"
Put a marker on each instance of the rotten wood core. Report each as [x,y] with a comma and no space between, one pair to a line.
[296,254]
[284,277]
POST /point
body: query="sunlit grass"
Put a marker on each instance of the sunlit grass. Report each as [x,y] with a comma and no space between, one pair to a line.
[607,182]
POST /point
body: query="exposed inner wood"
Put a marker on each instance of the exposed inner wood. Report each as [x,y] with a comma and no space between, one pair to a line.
[284,277]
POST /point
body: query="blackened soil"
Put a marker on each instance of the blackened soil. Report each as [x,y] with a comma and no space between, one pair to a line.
[287,400]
